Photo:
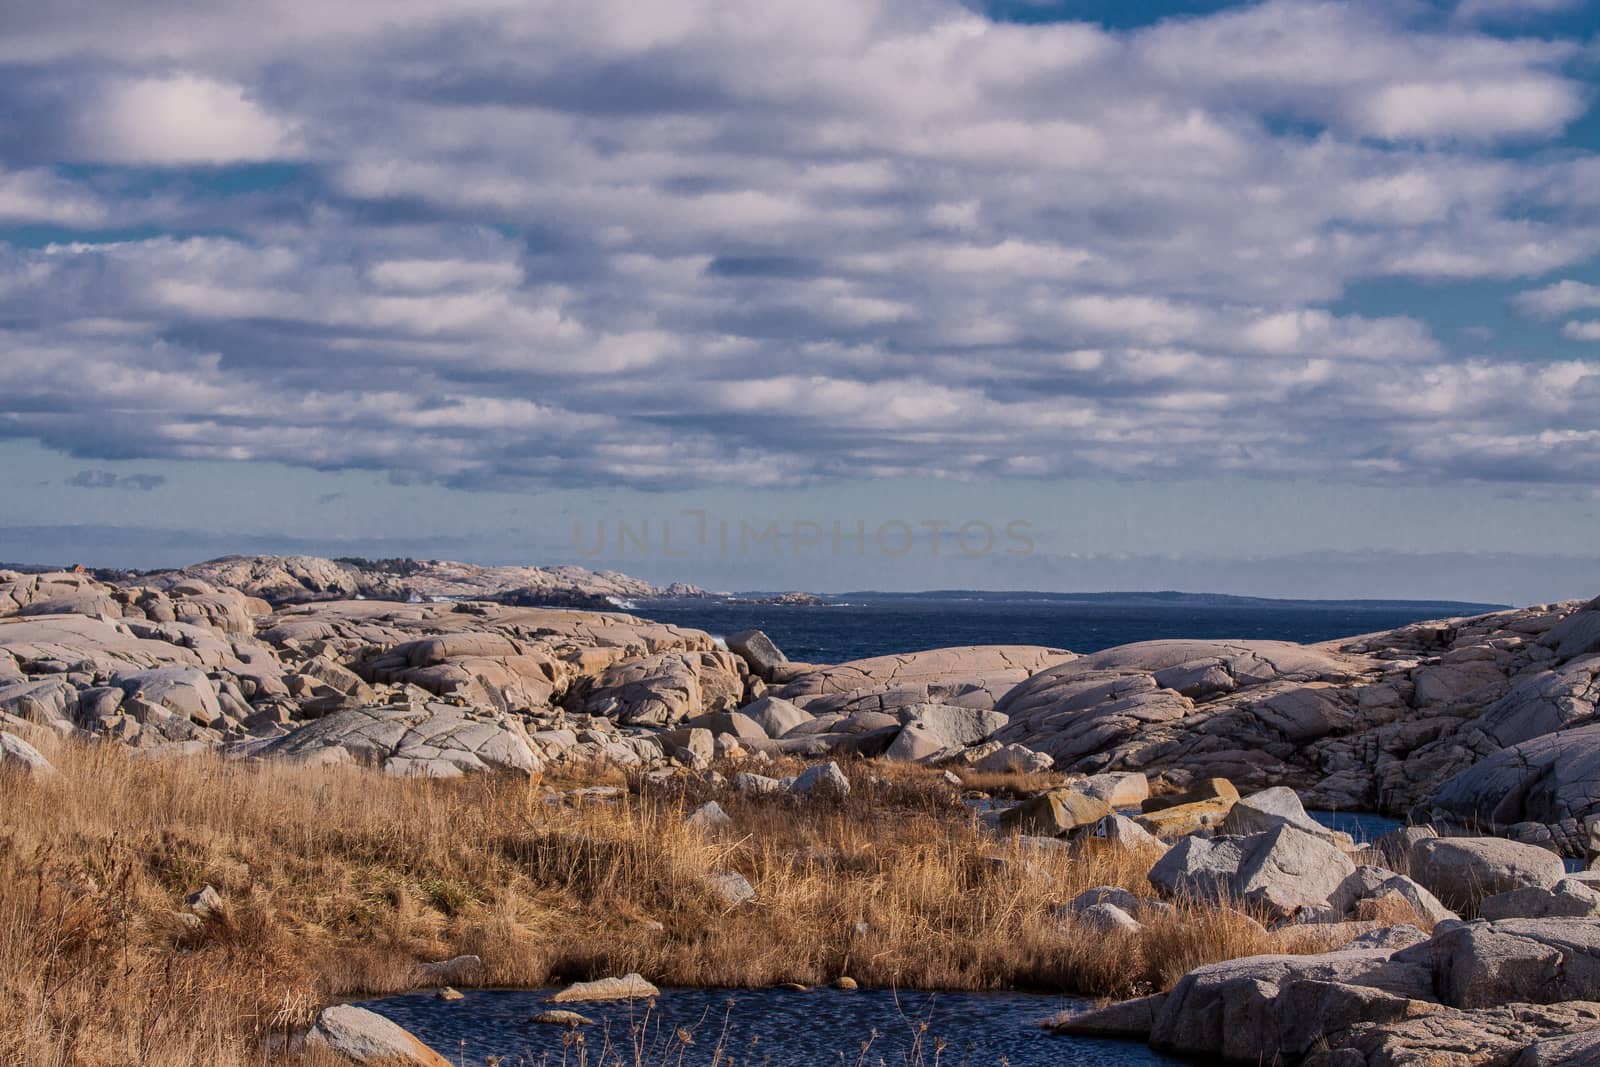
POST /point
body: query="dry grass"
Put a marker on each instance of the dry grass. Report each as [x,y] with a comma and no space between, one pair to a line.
[339,882]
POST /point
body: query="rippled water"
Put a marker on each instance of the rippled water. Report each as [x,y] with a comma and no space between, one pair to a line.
[1363,827]
[863,625]
[779,1027]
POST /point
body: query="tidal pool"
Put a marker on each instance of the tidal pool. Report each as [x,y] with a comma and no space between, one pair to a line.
[777,1027]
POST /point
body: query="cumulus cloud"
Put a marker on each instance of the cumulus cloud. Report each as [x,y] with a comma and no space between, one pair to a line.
[178,119]
[1582,331]
[601,244]
[1560,298]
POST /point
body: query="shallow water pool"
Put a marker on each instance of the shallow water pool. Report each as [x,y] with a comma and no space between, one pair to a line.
[778,1027]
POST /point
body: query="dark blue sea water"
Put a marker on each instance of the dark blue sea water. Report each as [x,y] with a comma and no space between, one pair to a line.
[776,1027]
[856,626]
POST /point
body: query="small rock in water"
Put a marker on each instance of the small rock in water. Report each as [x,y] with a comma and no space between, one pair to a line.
[845,982]
[630,986]
[450,994]
[793,987]
[561,1017]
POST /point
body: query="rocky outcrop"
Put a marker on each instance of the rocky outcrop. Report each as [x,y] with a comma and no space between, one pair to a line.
[667,688]
[282,580]
[1520,991]
[972,677]
[430,740]
[1552,781]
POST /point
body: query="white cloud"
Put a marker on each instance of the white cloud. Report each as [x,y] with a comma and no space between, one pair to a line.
[584,244]
[1476,109]
[180,119]
[37,196]
[1582,331]
[1560,298]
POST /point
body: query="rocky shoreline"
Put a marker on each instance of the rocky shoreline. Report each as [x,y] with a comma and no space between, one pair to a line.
[1462,937]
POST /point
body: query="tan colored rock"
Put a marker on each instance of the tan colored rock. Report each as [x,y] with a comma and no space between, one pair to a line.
[366,1037]
[628,987]
[1055,813]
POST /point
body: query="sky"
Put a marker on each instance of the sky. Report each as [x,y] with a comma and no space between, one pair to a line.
[1285,298]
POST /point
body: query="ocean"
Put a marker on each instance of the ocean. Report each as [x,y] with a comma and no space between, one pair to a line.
[858,625]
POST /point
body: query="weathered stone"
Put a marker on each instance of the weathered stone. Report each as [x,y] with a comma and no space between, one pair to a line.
[1055,813]
[1567,899]
[367,1037]
[731,888]
[1545,780]
[1268,809]
[667,688]
[709,816]
[1249,1009]
[560,1017]
[757,650]
[18,756]
[1120,790]
[1371,884]
[1123,832]
[775,716]
[1206,790]
[1461,871]
[435,740]
[1108,919]
[755,784]
[1014,759]
[628,987]
[1530,961]
[205,902]
[822,780]
[1280,871]
[1128,1019]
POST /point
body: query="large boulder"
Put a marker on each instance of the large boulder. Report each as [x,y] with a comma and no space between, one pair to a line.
[1263,1009]
[1527,961]
[667,688]
[776,716]
[1280,871]
[1371,890]
[1567,899]
[1269,809]
[1461,871]
[184,691]
[758,651]
[431,740]
[1060,811]
[366,1037]
[19,756]
[1201,807]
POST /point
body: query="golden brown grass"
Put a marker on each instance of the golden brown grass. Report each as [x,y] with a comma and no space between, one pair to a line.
[338,882]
